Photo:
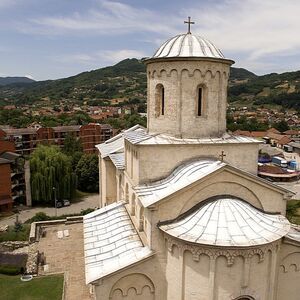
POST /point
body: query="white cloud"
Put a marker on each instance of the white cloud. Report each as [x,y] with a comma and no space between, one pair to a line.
[110,18]
[98,58]
[78,58]
[29,76]
[116,56]
[254,29]
[259,27]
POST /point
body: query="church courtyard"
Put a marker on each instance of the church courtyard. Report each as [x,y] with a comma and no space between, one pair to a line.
[62,248]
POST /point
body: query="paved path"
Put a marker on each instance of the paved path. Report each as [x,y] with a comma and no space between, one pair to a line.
[65,254]
[90,201]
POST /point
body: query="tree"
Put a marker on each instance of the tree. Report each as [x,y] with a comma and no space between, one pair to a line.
[51,169]
[73,148]
[87,171]
[71,145]
[281,126]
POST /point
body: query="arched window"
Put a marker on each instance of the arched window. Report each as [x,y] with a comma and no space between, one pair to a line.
[244,298]
[159,100]
[199,106]
[133,205]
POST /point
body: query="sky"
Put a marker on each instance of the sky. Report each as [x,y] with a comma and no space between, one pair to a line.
[50,39]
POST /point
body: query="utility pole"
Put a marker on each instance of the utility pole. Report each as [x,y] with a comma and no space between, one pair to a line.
[54,189]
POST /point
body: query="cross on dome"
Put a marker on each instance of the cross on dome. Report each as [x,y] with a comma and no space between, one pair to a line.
[189,22]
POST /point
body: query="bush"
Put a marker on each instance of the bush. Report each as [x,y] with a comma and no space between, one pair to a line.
[10,270]
[12,264]
[43,217]
[38,217]
[86,211]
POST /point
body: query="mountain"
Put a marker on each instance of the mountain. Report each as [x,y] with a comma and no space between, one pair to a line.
[272,89]
[241,74]
[126,82]
[10,80]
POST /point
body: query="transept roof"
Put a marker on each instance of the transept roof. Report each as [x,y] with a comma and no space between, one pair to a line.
[227,221]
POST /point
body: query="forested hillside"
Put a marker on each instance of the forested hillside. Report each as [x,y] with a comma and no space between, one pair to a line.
[126,82]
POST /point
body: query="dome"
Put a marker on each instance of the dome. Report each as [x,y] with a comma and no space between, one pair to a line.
[227,221]
[188,45]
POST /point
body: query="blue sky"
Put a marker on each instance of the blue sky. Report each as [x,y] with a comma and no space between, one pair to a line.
[49,39]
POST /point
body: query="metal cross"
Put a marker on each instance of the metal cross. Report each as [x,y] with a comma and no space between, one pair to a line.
[222,155]
[189,22]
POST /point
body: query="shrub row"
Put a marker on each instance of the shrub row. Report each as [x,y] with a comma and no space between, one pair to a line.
[11,270]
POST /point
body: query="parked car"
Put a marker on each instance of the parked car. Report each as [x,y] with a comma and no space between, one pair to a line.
[66,202]
[59,204]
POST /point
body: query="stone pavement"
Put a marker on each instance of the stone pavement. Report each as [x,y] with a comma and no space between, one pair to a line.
[65,255]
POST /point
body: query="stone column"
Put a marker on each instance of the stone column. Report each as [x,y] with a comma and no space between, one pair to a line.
[212,272]
[27,183]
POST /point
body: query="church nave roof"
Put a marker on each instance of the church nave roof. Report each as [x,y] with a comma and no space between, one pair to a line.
[110,242]
[227,221]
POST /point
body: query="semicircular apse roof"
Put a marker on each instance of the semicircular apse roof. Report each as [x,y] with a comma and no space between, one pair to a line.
[188,45]
[227,221]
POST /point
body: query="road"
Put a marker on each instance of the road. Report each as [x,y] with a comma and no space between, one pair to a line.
[90,201]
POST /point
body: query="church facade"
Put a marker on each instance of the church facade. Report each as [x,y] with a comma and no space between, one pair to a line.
[183,214]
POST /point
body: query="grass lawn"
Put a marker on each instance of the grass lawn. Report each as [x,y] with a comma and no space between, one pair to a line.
[12,235]
[41,288]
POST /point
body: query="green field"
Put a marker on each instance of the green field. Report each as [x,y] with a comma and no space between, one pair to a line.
[41,288]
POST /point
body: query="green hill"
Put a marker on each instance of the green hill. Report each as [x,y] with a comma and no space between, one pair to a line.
[11,80]
[127,82]
[272,89]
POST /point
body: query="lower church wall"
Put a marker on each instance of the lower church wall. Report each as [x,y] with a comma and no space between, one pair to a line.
[289,272]
[202,273]
[143,281]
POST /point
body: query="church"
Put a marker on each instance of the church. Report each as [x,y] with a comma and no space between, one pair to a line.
[183,214]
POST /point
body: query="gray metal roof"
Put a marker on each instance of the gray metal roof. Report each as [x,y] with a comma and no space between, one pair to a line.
[294,233]
[181,177]
[294,144]
[227,222]
[116,143]
[11,156]
[163,139]
[188,45]
[118,160]
[139,135]
[110,242]
[4,161]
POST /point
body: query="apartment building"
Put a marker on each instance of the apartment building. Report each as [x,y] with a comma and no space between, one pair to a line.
[27,139]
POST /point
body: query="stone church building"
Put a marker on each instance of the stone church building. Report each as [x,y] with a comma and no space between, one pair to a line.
[183,215]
